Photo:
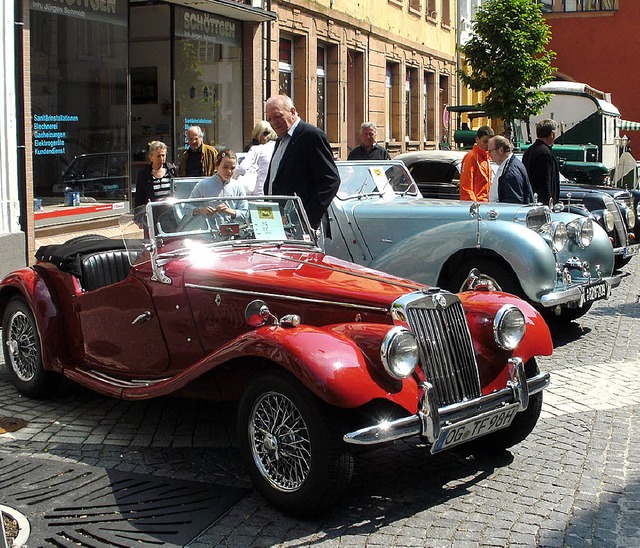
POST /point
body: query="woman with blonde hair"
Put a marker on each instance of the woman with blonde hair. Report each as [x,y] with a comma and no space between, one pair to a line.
[252,172]
[154,179]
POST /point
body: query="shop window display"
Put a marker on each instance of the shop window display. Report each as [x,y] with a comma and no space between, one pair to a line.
[79,109]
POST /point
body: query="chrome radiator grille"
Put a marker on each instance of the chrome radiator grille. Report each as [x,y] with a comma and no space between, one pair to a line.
[446,348]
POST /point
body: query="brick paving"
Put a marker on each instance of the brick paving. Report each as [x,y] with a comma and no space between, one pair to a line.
[574,482]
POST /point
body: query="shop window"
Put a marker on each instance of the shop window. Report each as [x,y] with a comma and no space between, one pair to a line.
[78,77]
[208,82]
[413,105]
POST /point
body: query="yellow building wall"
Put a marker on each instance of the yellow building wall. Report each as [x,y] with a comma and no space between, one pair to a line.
[365,41]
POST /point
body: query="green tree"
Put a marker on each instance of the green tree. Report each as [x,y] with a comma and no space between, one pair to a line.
[507,59]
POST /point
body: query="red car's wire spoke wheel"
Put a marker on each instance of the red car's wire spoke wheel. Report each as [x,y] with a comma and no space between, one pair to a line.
[280,442]
[23,349]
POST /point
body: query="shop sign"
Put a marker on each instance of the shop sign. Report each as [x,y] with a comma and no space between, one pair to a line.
[207,27]
[105,11]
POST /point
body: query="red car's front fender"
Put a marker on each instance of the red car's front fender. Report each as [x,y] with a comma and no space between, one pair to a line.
[329,363]
[32,286]
[481,308]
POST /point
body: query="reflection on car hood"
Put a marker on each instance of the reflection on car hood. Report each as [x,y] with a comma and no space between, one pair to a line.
[306,275]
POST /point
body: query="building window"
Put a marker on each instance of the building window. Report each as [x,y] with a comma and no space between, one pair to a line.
[415,6]
[285,67]
[321,75]
[407,104]
[546,5]
[588,5]
[393,97]
[432,11]
[445,14]
[428,93]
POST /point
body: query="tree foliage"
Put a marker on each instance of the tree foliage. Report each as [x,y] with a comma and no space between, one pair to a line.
[506,58]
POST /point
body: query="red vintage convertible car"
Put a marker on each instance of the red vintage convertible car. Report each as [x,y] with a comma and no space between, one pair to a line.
[324,356]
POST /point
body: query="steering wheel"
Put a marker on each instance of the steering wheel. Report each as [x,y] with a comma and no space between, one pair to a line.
[202,223]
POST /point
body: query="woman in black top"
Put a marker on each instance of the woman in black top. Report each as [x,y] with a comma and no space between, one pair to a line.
[154,179]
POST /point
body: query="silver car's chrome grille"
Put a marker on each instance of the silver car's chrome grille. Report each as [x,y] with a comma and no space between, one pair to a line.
[619,223]
[626,200]
[538,217]
[446,348]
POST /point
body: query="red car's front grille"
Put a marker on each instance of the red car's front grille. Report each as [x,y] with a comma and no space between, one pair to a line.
[446,349]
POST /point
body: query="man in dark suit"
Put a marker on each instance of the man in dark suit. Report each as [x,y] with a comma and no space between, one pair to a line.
[302,162]
[542,165]
[510,182]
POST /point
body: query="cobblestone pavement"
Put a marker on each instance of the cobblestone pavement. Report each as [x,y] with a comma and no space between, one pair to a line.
[574,482]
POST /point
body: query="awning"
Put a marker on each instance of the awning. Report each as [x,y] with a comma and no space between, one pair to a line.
[242,10]
[628,125]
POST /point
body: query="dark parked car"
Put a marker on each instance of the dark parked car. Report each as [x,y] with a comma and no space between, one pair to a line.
[324,356]
[102,176]
[614,208]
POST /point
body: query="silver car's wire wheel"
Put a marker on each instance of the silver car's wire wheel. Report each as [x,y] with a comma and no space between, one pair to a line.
[23,347]
[280,442]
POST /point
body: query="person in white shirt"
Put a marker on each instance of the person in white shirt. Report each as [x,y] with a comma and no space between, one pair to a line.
[252,171]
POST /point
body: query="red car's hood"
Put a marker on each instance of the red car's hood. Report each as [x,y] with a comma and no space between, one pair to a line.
[294,273]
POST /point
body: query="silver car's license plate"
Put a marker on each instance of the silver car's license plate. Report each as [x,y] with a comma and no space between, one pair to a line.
[476,427]
[596,291]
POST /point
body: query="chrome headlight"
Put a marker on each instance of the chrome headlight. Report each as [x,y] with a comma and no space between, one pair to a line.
[558,235]
[631,217]
[609,221]
[508,327]
[580,231]
[637,210]
[399,352]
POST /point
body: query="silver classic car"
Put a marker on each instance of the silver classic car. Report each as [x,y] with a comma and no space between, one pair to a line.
[559,262]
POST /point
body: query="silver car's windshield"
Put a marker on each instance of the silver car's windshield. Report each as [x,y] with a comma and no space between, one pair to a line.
[383,178]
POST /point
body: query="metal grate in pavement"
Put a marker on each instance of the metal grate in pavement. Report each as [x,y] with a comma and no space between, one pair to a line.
[70,504]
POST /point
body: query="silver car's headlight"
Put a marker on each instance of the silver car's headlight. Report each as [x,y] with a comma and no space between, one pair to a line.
[609,221]
[508,327]
[580,231]
[399,352]
[558,235]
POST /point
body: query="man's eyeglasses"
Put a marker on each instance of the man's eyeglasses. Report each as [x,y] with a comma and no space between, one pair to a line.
[491,149]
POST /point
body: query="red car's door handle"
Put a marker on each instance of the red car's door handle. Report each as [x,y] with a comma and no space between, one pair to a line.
[142,318]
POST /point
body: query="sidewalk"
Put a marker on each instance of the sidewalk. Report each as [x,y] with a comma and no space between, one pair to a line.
[574,482]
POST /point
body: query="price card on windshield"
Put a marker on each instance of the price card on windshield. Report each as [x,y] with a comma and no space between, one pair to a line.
[266,221]
[379,176]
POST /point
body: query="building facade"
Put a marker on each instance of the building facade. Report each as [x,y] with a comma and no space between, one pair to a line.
[89,83]
[593,40]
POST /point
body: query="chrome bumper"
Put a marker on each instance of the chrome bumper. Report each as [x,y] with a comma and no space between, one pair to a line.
[574,294]
[627,250]
[430,420]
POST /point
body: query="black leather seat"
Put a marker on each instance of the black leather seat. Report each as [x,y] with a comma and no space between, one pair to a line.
[103,268]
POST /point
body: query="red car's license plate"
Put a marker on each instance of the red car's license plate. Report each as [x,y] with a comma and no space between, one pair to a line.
[476,427]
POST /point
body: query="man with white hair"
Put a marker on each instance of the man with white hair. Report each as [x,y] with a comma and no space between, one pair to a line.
[302,162]
[198,159]
[368,149]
